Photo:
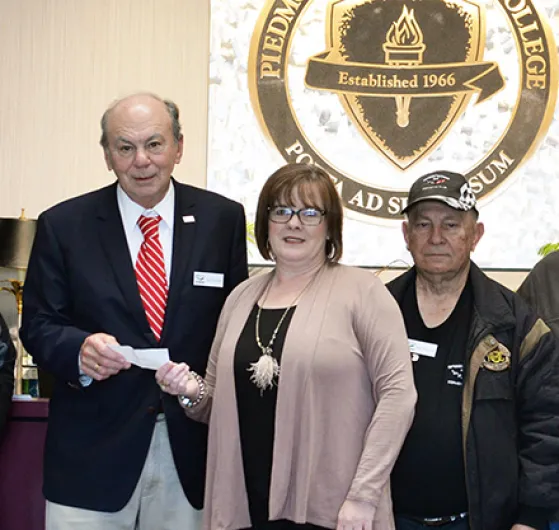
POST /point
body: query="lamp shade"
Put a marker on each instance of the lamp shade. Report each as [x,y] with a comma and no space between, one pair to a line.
[16,239]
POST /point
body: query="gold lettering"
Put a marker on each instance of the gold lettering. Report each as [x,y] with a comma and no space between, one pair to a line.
[280,29]
[502,163]
[357,199]
[517,15]
[485,179]
[279,26]
[535,81]
[515,7]
[296,148]
[288,12]
[274,44]
[394,205]
[535,64]
[527,29]
[267,70]
[374,202]
[534,46]
[524,19]
[271,59]
[342,78]
[477,186]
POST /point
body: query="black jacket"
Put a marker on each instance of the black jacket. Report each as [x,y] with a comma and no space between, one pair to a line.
[541,290]
[510,408]
[7,359]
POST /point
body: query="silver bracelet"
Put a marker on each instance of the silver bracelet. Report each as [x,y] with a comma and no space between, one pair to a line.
[188,403]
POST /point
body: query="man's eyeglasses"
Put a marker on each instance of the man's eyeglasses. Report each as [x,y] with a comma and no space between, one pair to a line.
[307,216]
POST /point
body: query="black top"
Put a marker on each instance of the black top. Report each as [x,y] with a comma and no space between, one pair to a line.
[256,409]
[429,477]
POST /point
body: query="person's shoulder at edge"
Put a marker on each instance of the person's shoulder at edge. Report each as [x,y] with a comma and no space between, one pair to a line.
[552,259]
[494,293]
[547,265]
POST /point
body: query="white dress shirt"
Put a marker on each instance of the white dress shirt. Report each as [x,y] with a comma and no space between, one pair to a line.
[131,211]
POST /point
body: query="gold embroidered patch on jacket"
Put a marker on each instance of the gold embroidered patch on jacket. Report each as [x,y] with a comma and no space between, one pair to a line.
[498,359]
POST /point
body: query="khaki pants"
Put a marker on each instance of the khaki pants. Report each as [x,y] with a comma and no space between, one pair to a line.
[158,502]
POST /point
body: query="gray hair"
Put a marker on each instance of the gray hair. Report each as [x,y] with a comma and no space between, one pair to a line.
[172,109]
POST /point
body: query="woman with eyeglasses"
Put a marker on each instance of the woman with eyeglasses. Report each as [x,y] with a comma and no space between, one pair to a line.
[308,390]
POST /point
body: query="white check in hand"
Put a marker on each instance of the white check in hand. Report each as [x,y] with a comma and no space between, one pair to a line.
[149,358]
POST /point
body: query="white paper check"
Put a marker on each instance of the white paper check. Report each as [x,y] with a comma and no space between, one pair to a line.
[150,358]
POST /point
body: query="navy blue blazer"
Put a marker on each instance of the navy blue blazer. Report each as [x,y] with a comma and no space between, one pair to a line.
[81,281]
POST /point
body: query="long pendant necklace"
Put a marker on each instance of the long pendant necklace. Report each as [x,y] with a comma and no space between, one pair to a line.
[267,367]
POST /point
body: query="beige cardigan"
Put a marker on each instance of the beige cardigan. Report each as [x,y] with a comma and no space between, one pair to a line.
[345,403]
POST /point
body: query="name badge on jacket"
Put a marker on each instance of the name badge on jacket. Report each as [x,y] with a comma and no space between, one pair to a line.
[418,347]
[208,279]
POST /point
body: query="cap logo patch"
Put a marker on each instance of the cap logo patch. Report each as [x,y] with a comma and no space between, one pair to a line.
[435,179]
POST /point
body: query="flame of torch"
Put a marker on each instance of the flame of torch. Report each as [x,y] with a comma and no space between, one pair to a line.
[404,47]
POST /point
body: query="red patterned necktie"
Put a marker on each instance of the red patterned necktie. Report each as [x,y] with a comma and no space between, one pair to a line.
[150,274]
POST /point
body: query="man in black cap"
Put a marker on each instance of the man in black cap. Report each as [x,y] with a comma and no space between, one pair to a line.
[483,451]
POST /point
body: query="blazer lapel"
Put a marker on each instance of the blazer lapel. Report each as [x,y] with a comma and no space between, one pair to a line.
[113,242]
[184,236]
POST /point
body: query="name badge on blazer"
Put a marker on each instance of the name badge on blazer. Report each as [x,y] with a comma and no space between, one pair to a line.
[209,279]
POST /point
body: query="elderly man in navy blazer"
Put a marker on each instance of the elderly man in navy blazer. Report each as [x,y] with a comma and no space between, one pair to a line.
[145,262]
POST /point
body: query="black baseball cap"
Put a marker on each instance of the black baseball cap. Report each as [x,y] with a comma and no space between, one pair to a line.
[444,186]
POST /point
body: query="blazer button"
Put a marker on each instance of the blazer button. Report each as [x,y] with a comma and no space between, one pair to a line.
[151,410]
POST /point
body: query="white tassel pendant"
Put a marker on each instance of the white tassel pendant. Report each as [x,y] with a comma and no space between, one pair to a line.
[264,371]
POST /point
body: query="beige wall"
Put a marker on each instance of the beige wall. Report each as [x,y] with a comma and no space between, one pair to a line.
[64,61]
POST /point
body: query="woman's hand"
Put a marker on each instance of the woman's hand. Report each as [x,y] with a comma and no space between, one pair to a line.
[356,515]
[175,379]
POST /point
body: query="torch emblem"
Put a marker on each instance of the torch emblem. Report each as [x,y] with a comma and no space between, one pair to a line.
[404,47]
[424,55]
